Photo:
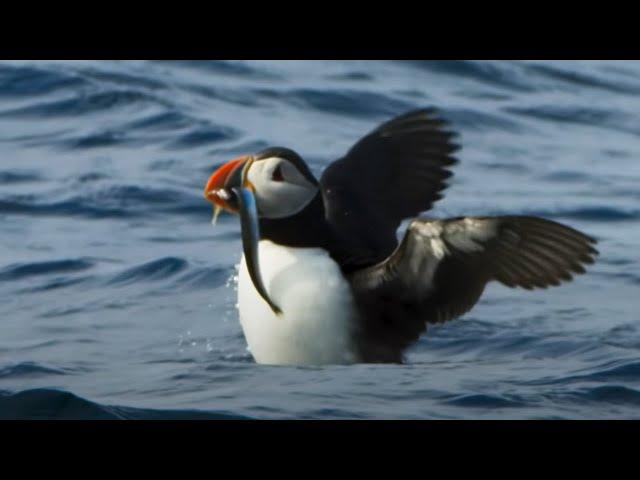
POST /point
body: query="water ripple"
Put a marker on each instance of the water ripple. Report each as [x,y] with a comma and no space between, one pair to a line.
[160,269]
[485,401]
[31,81]
[230,68]
[168,120]
[82,105]
[611,394]
[204,278]
[23,270]
[581,79]
[629,371]
[498,75]
[614,120]
[128,80]
[7,178]
[48,404]
[204,136]
[595,214]
[347,102]
[107,201]
[29,369]
[56,283]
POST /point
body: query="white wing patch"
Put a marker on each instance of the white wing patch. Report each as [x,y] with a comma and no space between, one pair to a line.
[432,233]
[425,245]
[465,234]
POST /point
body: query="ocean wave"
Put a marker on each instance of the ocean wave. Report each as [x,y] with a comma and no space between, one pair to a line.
[610,394]
[204,278]
[232,96]
[203,136]
[627,371]
[486,401]
[128,79]
[164,121]
[160,269]
[354,76]
[83,105]
[352,103]
[29,370]
[26,205]
[231,68]
[48,404]
[479,120]
[623,371]
[96,140]
[574,78]
[23,270]
[29,81]
[592,116]
[594,214]
[107,201]
[178,270]
[57,283]
[7,178]
[500,75]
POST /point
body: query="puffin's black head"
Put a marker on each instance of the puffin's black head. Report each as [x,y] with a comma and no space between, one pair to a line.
[278,177]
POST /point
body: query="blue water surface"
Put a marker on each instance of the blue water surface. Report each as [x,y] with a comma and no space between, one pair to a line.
[117,296]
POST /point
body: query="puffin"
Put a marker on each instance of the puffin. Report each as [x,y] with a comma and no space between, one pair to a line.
[325,276]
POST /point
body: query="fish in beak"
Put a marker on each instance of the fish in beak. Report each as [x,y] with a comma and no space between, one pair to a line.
[229,189]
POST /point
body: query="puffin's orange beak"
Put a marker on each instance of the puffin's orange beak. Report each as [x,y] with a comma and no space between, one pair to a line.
[214,190]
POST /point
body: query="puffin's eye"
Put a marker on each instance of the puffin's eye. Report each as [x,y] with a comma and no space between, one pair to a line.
[277,176]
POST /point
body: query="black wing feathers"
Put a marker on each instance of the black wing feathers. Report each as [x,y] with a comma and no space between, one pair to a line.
[532,252]
[393,173]
[442,267]
[404,162]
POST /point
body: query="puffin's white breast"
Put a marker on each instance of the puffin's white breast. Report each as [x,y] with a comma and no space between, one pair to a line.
[317,318]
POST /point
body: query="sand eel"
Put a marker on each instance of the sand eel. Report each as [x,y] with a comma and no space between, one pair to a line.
[324,279]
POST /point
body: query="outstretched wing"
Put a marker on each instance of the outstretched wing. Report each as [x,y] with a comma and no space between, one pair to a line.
[393,173]
[441,267]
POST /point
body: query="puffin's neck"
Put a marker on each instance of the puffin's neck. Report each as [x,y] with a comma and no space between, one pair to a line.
[306,229]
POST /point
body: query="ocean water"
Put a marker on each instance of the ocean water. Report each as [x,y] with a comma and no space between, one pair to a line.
[117,295]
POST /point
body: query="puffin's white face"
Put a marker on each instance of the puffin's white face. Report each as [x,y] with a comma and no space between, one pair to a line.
[281,190]
[280,181]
